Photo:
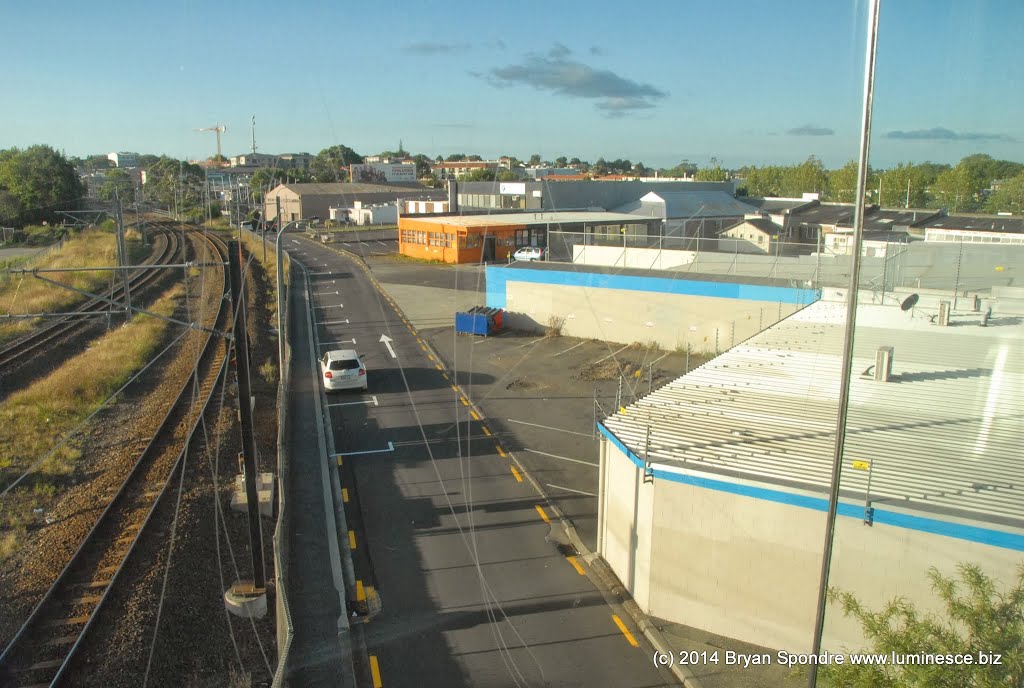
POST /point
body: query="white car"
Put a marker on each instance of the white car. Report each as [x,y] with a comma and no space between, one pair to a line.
[529,253]
[343,369]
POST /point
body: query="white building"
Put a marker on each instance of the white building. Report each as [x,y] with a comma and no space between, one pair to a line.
[123,159]
[714,488]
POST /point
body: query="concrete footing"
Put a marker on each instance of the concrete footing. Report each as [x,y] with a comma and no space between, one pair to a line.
[245,601]
[265,490]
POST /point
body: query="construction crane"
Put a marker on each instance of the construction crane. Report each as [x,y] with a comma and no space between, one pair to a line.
[219,129]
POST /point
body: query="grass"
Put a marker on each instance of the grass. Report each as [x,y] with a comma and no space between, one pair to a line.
[255,246]
[31,419]
[23,294]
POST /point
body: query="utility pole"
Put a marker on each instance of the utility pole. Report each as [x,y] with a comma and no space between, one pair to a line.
[254,136]
[122,257]
[241,340]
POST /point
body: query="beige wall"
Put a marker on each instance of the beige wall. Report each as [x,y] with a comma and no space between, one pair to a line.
[673,321]
[748,568]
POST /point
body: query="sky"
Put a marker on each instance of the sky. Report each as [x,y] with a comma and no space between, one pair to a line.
[744,82]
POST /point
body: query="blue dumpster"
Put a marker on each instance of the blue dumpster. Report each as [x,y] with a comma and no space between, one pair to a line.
[480,320]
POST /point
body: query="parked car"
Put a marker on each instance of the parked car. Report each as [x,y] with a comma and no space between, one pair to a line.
[343,369]
[529,253]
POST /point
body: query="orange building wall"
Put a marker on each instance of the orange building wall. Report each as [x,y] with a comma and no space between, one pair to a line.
[504,235]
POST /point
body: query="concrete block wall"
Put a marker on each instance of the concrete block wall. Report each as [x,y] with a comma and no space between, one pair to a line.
[673,321]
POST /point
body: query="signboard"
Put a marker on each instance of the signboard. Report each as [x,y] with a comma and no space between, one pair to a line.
[382,173]
[512,188]
[862,465]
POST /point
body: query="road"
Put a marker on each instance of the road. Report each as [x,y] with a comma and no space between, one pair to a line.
[442,530]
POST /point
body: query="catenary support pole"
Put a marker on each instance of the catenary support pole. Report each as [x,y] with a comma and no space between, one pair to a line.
[851,318]
[245,413]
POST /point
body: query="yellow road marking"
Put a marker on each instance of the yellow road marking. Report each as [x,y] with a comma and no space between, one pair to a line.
[339,459]
[455,389]
[486,431]
[543,514]
[501,452]
[423,346]
[419,340]
[375,672]
[360,591]
[344,494]
[519,478]
[431,357]
[576,565]
[439,366]
[445,375]
[465,402]
[474,415]
[625,631]
[352,539]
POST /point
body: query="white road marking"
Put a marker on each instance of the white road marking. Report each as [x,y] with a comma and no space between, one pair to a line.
[390,448]
[344,341]
[612,354]
[563,458]
[332,305]
[335,322]
[372,400]
[387,342]
[569,349]
[569,489]
[548,427]
[322,293]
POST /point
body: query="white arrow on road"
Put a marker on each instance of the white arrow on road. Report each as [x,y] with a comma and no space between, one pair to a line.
[387,342]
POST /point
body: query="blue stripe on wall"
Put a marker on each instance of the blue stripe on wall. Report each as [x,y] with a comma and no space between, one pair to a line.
[498,278]
[985,536]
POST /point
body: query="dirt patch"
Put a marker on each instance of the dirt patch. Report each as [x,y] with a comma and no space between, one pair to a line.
[520,383]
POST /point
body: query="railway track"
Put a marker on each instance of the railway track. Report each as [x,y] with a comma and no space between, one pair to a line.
[31,345]
[41,651]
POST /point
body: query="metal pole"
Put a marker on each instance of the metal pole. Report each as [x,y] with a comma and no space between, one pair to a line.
[245,413]
[122,249]
[280,308]
[956,283]
[851,317]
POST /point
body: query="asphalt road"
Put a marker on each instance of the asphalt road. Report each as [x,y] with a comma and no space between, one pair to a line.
[472,593]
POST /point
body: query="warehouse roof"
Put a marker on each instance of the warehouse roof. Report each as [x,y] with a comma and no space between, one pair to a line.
[544,218]
[942,437]
[981,223]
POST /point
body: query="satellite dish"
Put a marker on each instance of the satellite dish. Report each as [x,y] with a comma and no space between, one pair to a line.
[909,302]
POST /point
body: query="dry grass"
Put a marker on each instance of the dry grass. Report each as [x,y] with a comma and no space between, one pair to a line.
[32,419]
[555,325]
[21,294]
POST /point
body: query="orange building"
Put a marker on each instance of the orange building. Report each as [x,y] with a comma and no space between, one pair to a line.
[491,238]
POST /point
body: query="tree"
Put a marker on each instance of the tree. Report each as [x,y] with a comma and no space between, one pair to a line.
[979,620]
[1009,197]
[474,158]
[534,160]
[959,189]
[763,181]
[422,165]
[118,182]
[807,177]
[842,183]
[455,157]
[481,175]
[600,167]
[38,181]
[175,183]
[712,174]
[561,161]
[147,159]
[331,164]
[895,183]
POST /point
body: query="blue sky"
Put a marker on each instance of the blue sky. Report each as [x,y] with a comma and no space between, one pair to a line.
[746,82]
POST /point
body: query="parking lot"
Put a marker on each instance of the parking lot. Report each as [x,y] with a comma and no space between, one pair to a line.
[541,392]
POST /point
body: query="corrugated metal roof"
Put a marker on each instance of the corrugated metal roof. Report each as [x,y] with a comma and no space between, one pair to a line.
[552,217]
[945,436]
[690,204]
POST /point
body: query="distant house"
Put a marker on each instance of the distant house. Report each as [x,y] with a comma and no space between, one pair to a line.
[755,234]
